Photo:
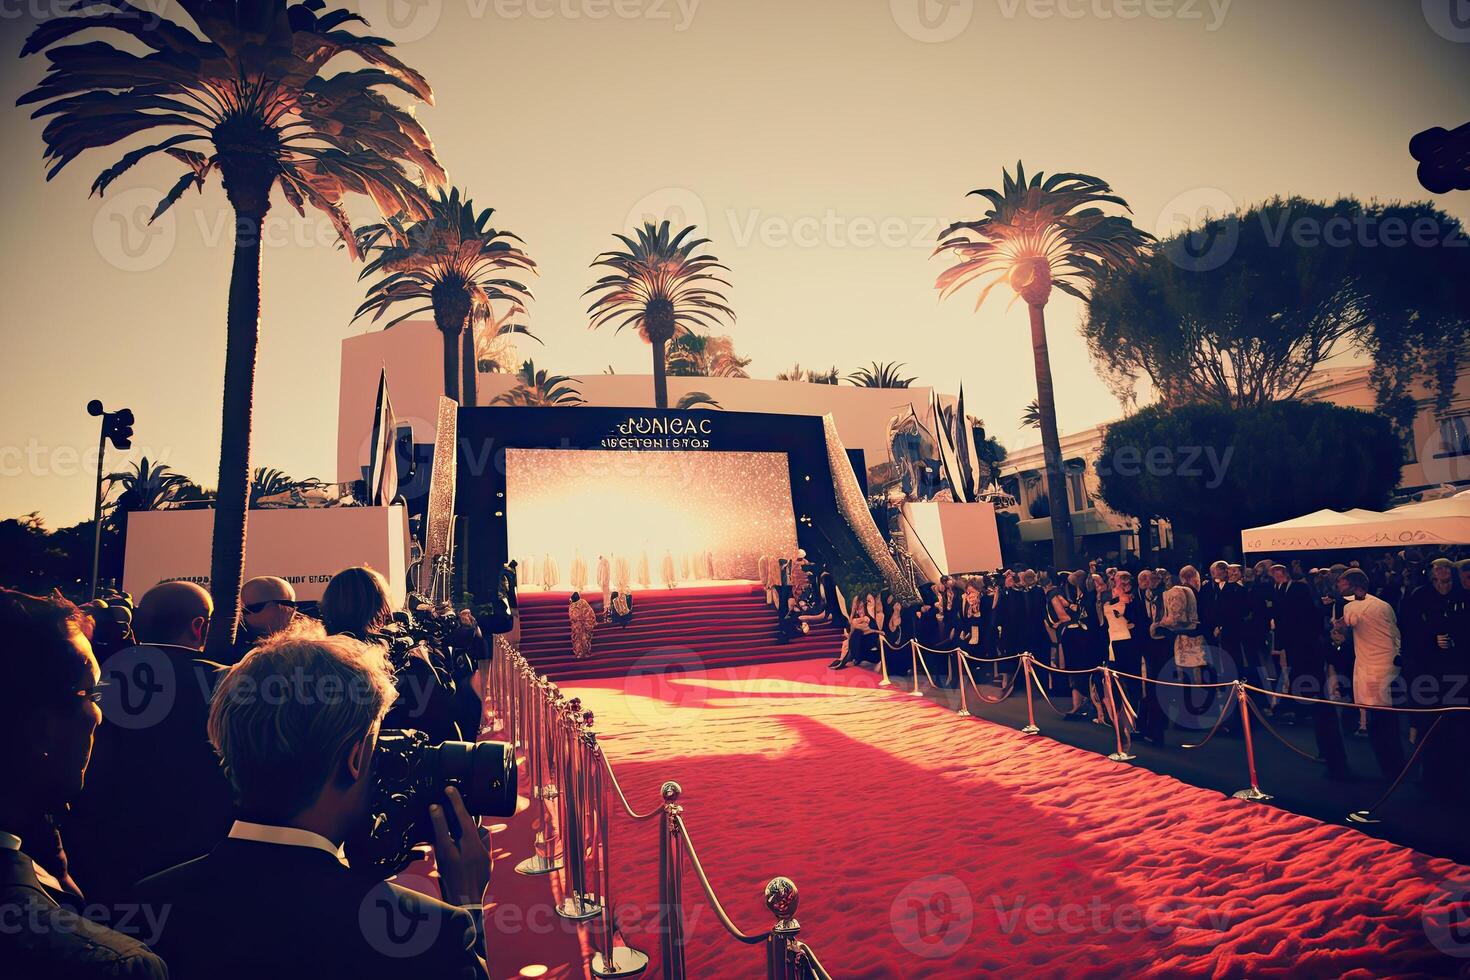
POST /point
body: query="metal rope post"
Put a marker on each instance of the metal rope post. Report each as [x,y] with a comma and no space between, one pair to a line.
[1253,794]
[580,904]
[961,670]
[1030,728]
[671,880]
[544,860]
[783,945]
[913,666]
[882,657]
[1119,754]
[612,960]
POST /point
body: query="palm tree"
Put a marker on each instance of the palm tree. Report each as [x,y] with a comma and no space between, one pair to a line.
[244,95]
[664,286]
[541,389]
[1031,415]
[696,399]
[702,355]
[267,482]
[797,373]
[885,375]
[147,486]
[1041,233]
[494,340]
[453,263]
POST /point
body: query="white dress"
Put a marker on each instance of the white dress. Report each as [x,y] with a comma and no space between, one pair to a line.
[644,579]
[620,580]
[604,580]
[579,573]
[550,574]
[667,568]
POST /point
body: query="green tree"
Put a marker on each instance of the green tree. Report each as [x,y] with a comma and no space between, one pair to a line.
[244,95]
[1213,471]
[454,264]
[702,355]
[1241,310]
[664,286]
[1042,233]
[541,388]
[885,375]
[147,485]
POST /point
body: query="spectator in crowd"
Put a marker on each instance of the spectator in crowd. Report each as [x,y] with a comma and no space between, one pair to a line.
[1158,653]
[1375,635]
[355,603]
[276,897]
[1073,617]
[152,765]
[1436,666]
[621,611]
[1127,626]
[267,606]
[49,697]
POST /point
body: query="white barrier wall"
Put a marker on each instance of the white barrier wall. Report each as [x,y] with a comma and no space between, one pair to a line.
[304,546]
[957,538]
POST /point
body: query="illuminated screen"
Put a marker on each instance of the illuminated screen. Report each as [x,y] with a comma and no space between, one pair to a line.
[571,503]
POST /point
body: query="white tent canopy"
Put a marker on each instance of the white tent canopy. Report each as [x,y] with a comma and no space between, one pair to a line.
[1430,522]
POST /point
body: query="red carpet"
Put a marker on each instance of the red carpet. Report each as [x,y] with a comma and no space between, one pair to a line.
[672,629]
[929,845]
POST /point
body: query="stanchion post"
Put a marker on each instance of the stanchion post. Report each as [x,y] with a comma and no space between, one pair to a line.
[1119,754]
[544,859]
[1030,728]
[611,960]
[781,945]
[580,904]
[913,667]
[1254,793]
[882,658]
[671,868]
[961,672]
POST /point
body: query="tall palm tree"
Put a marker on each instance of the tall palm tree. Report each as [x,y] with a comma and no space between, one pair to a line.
[704,355]
[268,481]
[451,262]
[663,285]
[148,485]
[1031,415]
[494,340]
[885,375]
[1040,233]
[542,389]
[243,93]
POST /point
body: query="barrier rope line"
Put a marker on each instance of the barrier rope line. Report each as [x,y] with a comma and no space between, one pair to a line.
[613,778]
[1260,716]
[992,699]
[1365,816]
[709,891]
[1224,713]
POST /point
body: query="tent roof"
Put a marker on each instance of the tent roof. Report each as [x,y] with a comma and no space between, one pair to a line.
[1429,522]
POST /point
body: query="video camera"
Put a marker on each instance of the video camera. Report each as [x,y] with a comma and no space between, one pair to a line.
[409,774]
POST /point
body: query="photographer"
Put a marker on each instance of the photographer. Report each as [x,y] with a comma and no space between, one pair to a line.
[355,603]
[48,713]
[296,725]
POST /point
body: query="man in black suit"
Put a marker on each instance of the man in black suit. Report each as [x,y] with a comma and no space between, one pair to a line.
[155,794]
[1297,618]
[276,898]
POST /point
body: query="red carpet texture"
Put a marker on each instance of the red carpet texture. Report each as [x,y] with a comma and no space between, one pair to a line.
[672,629]
[928,845]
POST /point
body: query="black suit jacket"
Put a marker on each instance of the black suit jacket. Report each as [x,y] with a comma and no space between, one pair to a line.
[42,940]
[249,910]
[155,794]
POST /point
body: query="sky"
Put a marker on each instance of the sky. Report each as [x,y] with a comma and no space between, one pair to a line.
[820,144]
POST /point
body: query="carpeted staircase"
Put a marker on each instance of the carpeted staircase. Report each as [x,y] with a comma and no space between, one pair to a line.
[718,626]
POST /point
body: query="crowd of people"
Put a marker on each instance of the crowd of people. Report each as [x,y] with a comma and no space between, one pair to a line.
[1332,646]
[198,826]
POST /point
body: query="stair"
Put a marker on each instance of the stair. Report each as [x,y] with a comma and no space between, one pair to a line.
[672,629]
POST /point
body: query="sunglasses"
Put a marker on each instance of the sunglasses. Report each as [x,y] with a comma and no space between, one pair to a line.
[260,607]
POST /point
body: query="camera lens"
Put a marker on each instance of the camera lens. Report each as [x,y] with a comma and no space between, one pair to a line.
[484,772]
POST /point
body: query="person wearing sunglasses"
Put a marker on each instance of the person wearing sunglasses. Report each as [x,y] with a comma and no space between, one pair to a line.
[49,693]
[267,606]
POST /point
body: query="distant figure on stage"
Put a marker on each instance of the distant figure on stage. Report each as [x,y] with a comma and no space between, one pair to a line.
[685,567]
[763,575]
[550,573]
[583,623]
[621,582]
[579,572]
[670,579]
[604,580]
[644,579]
[708,570]
[622,609]
[512,580]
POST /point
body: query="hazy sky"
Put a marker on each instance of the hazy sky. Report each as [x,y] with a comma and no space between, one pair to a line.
[819,143]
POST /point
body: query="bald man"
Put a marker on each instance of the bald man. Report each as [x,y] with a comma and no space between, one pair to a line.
[267,606]
[155,794]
